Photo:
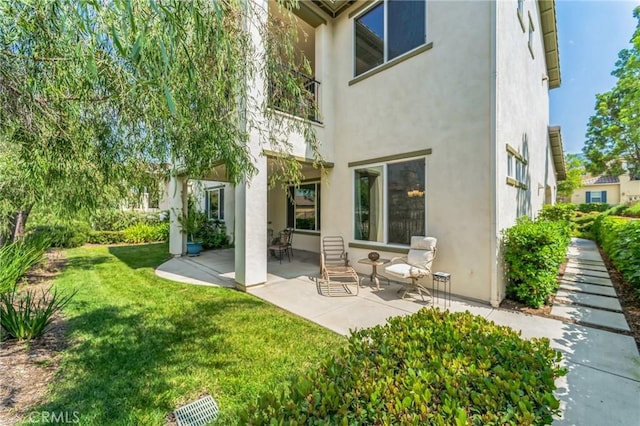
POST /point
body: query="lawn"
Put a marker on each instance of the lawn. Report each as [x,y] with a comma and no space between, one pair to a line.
[142,346]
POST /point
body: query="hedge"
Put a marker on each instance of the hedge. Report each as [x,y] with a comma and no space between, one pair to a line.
[431,367]
[140,233]
[620,239]
[533,253]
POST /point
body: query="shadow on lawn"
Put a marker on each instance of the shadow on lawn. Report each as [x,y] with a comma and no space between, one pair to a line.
[134,367]
[142,255]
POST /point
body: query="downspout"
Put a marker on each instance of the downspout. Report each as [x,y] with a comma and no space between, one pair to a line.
[493,143]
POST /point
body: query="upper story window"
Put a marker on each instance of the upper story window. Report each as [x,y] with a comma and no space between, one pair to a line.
[389,29]
[531,30]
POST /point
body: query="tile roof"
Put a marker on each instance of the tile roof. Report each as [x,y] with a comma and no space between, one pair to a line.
[600,180]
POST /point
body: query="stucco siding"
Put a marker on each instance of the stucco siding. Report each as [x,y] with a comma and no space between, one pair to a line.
[438,100]
[579,196]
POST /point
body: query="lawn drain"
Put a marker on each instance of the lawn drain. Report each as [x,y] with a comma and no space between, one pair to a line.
[197,413]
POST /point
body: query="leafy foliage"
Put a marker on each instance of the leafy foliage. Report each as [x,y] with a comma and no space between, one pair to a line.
[613,133]
[144,233]
[533,252]
[431,367]
[575,170]
[558,212]
[26,317]
[593,207]
[119,220]
[67,234]
[620,240]
[214,235]
[16,259]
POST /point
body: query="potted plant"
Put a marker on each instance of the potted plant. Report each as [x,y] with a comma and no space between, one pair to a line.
[192,223]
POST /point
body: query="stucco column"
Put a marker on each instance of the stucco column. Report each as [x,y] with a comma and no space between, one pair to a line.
[177,205]
[251,229]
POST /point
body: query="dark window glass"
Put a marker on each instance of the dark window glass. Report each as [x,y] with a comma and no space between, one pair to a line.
[303,207]
[406,204]
[405,26]
[368,204]
[369,34]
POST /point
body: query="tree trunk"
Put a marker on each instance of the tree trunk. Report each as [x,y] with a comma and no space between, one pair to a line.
[19,223]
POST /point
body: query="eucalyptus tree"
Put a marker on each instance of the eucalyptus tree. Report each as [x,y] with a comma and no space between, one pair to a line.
[94,92]
[613,133]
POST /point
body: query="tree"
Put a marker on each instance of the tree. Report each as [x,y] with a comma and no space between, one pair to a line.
[93,93]
[575,170]
[613,133]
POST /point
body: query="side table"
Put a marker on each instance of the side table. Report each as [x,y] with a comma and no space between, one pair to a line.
[374,270]
[443,278]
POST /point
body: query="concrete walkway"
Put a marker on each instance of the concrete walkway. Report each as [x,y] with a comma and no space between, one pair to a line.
[602,386]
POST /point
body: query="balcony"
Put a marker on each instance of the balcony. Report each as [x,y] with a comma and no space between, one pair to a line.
[282,97]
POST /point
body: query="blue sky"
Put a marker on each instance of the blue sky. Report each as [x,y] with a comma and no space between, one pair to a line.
[590,35]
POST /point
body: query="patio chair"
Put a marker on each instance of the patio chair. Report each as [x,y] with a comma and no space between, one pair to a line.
[282,245]
[416,265]
[335,269]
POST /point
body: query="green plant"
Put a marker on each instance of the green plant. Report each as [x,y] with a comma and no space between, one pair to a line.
[214,235]
[533,252]
[144,233]
[192,223]
[431,367]
[106,237]
[16,258]
[593,207]
[558,212]
[27,317]
[68,235]
[620,240]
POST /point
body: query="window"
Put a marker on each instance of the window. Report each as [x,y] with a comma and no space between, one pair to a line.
[214,199]
[516,168]
[521,14]
[520,6]
[303,207]
[510,164]
[596,196]
[389,204]
[388,30]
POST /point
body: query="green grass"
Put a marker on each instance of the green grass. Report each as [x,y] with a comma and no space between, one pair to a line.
[142,346]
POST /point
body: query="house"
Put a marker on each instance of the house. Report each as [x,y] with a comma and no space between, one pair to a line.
[433,119]
[607,189]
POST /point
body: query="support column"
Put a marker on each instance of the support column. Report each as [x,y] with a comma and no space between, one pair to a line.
[177,206]
[251,228]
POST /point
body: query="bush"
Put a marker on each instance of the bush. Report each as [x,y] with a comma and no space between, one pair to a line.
[73,234]
[431,367]
[144,233]
[620,240]
[533,252]
[28,317]
[16,259]
[558,212]
[106,237]
[593,207]
[213,235]
[119,220]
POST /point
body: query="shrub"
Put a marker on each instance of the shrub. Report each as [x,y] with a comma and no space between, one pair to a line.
[119,220]
[593,207]
[431,367]
[558,212]
[144,233]
[533,252]
[73,234]
[16,259]
[620,240]
[213,234]
[28,317]
[106,237]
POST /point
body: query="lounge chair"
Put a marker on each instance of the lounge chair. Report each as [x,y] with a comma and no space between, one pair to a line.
[337,275]
[416,265]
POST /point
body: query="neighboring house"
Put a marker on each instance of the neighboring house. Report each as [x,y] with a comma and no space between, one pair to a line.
[607,189]
[434,120]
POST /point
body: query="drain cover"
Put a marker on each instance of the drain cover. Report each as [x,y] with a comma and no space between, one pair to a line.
[197,413]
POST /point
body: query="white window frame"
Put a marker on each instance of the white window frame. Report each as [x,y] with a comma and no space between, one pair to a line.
[385,197]
[385,52]
[220,206]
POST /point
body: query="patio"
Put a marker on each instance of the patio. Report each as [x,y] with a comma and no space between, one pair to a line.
[602,365]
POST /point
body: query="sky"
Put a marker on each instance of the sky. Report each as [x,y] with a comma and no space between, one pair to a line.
[590,35]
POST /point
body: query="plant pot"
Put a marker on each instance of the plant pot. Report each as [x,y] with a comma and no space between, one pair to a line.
[194,249]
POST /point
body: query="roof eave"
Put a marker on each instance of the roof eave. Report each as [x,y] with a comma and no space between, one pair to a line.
[557,152]
[550,38]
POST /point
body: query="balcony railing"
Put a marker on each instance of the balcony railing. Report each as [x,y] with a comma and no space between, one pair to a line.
[309,109]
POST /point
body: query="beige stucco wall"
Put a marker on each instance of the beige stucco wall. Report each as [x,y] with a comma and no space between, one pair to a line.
[579,196]
[438,99]
[522,111]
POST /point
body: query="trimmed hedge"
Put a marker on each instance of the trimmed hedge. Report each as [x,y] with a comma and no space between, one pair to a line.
[593,207]
[431,367]
[135,234]
[558,212]
[533,253]
[620,239]
[68,235]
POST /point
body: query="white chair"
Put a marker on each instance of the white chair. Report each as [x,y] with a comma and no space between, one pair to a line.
[416,265]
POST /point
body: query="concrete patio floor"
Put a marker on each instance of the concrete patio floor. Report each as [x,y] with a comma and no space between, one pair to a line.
[602,386]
